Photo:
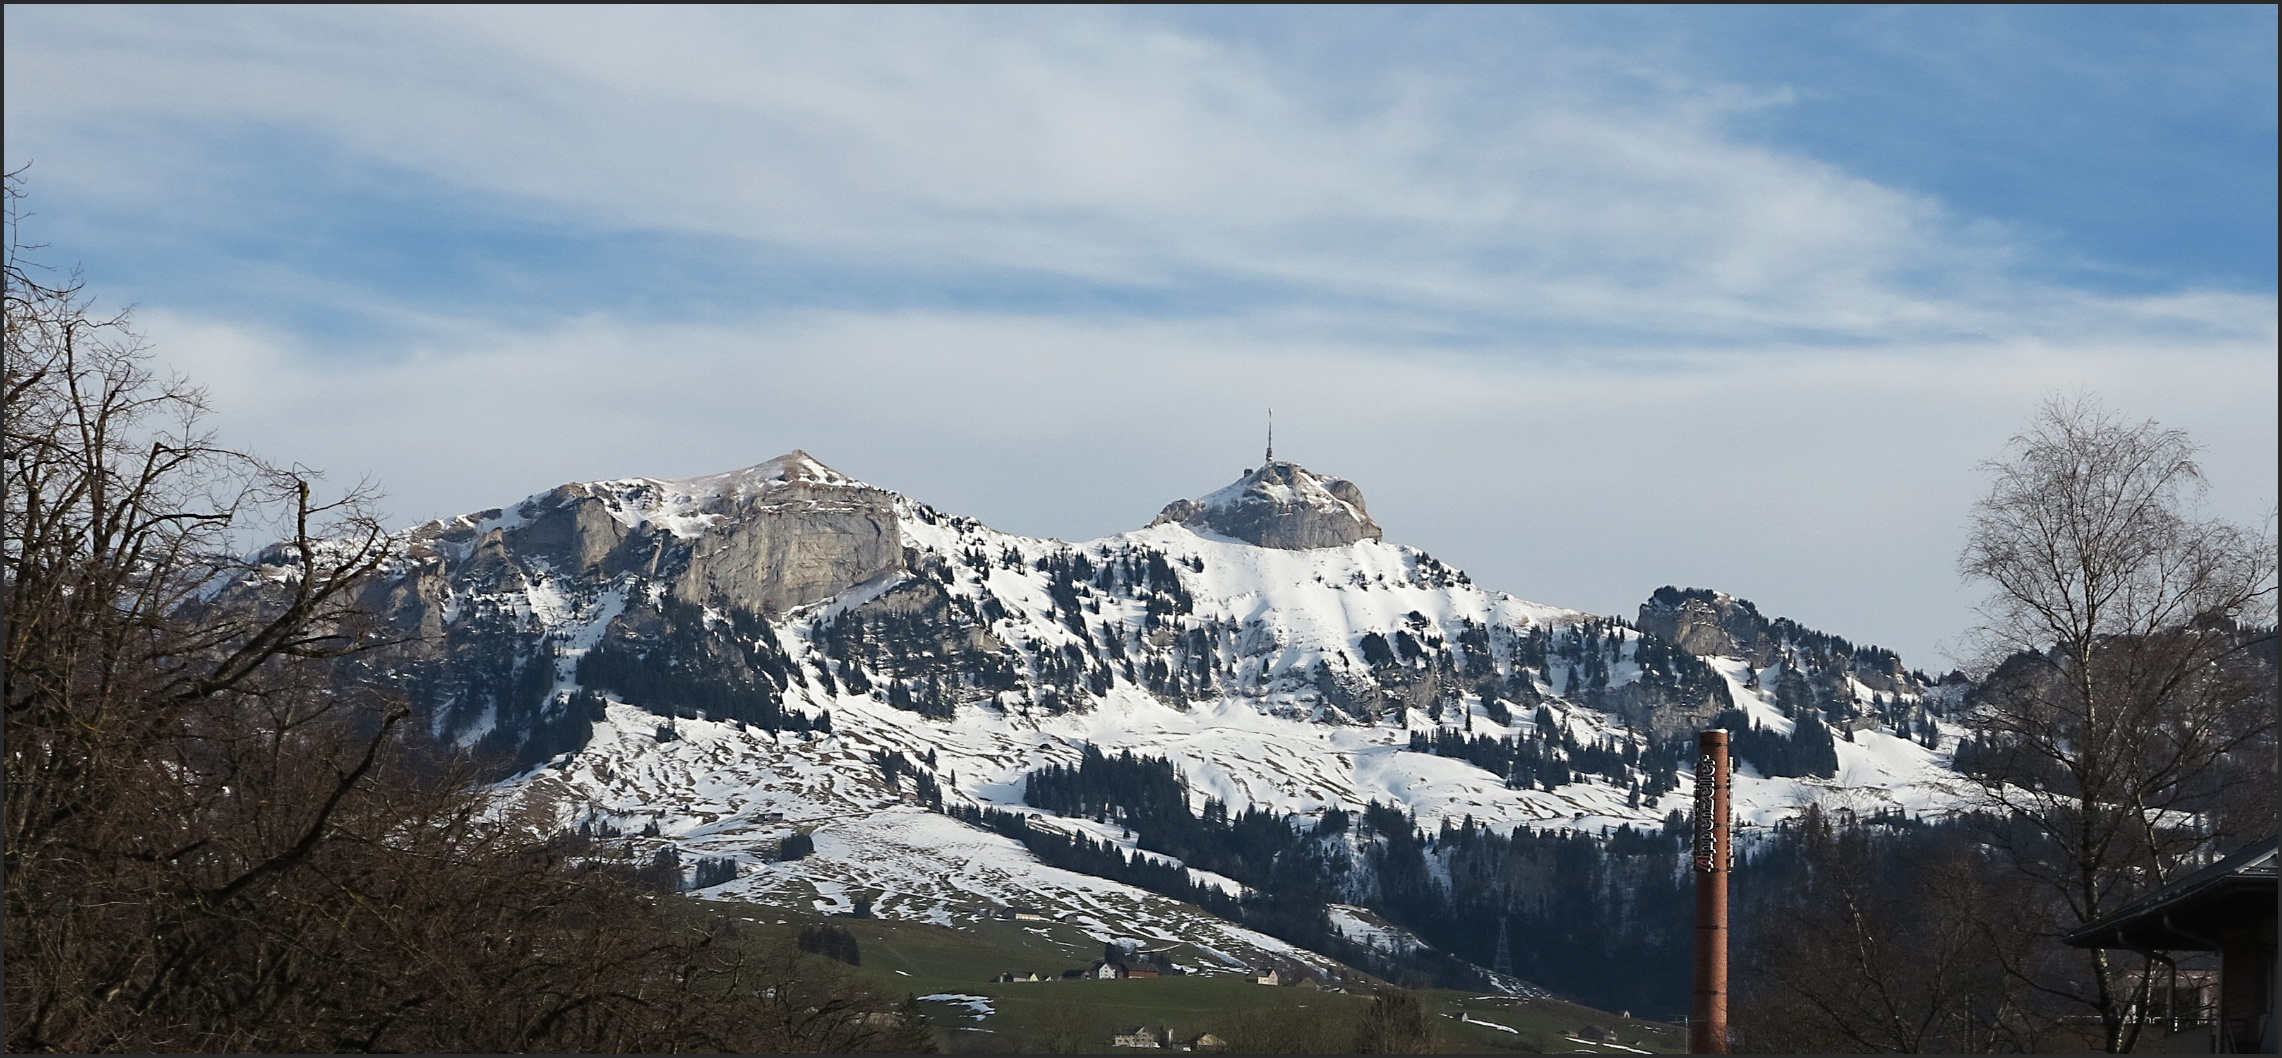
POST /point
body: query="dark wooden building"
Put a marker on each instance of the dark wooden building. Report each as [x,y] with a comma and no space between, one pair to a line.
[2227,908]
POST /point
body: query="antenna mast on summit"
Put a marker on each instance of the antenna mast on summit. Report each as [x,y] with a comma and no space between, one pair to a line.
[1271,435]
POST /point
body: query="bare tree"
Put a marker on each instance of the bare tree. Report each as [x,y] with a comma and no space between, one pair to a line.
[2128,673]
[220,838]
[1064,1027]
[1887,942]
[122,693]
[1396,1023]
[1317,1028]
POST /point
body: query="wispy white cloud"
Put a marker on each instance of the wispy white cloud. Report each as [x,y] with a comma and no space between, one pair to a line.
[1089,144]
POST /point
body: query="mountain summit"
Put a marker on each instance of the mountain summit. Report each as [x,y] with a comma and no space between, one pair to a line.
[792,468]
[1281,505]
[725,662]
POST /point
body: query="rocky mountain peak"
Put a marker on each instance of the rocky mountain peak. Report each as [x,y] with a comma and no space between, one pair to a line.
[767,538]
[1281,505]
[794,468]
[786,533]
[1705,622]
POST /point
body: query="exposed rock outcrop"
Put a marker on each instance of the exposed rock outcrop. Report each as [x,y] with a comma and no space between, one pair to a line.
[1708,624]
[788,532]
[1665,711]
[1812,668]
[570,528]
[1281,505]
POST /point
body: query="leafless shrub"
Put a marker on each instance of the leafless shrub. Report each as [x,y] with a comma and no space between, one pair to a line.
[1886,949]
[218,838]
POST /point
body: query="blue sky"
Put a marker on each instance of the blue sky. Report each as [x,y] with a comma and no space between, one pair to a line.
[1588,300]
[2133,145]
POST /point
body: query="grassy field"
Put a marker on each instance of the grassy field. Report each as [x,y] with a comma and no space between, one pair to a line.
[1079,1016]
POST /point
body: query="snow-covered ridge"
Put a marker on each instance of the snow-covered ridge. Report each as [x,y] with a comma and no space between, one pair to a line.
[1107,641]
[1280,625]
[1287,676]
[685,507]
[794,467]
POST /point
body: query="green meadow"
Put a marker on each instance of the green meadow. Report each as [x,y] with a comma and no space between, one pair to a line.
[1080,1016]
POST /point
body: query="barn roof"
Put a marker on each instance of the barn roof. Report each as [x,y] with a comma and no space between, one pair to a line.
[2191,912]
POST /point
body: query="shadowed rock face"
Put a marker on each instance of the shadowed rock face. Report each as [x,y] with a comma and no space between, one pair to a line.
[1281,505]
[570,528]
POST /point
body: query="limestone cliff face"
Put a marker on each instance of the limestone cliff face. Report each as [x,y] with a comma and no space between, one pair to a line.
[571,528]
[1281,505]
[766,539]
[1707,624]
[648,568]
[788,533]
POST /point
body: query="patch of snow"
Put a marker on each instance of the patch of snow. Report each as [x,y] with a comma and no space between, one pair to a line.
[1365,927]
[978,1007]
[1470,1019]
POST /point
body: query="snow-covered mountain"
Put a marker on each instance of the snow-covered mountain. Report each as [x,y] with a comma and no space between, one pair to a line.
[782,649]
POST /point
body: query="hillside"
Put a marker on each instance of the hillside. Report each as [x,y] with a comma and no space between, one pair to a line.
[717,664]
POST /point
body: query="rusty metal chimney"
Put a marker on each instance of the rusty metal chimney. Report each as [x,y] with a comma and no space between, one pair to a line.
[1707,1027]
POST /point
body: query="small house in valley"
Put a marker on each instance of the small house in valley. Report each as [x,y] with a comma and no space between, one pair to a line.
[1139,1036]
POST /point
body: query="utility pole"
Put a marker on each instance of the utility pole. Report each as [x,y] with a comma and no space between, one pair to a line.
[1707,1027]
[1503,962]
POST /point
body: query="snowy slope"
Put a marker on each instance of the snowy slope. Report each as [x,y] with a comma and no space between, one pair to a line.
[1285,677]
[720,791]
